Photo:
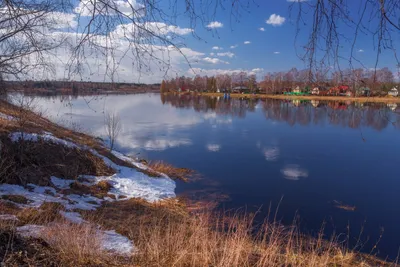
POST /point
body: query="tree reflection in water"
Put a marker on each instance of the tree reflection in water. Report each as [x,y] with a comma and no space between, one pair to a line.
[303,112]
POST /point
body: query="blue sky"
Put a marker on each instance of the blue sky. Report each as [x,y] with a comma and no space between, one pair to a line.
[273,49]
[261,40]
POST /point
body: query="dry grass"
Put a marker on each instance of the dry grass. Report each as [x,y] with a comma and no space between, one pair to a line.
[78,245]
[166,235]
[173,172]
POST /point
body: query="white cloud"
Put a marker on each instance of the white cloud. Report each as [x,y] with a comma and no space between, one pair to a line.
[132,31]
[247,42]
[211,72]
[129,8]
[214,60]
[360,51]
[275,20]
[213,147]
[215,24]
[233,46]
[257,70]
[262,29]
[217,48]
[212,54]
[226,54]
[277,52]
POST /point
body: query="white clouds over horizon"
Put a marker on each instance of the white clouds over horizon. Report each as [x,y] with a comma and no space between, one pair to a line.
[214,60]
[275,20]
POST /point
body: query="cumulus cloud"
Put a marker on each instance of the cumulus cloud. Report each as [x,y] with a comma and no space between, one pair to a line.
[129,8]
[262,29]
[217,48]
[294,172]
[214,60]
[361,51]
[277,52]
[226,54]
[211,72]
[233,46]
[275,20]
[247,42]
[131,30]
[214,25]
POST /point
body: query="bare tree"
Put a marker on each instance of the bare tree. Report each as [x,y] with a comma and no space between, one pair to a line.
[93,36]
[113,127]
[325,21]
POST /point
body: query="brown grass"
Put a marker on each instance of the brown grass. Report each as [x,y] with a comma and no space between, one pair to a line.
[48,212]
[16,199]
[173,172]
[166,235]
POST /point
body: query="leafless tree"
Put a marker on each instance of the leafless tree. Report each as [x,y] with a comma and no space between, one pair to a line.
[113,127]
[326,21]
[95,35]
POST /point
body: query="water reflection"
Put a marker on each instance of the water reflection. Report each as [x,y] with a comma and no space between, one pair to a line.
[303,112]
[294,172]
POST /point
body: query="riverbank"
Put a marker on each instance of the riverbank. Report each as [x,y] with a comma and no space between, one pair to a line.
[66,200]
[320,98]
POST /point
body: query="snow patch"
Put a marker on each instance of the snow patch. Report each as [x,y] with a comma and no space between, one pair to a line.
[74,217]
[8,217]
[6,117]
[30,230]
[61,183]
[114,242]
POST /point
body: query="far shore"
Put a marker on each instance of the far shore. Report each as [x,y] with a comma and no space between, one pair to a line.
[311,97]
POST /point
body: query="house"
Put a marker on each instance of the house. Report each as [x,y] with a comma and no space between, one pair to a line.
[297,90]
[241,89]
[363,91]
[318,90]
[393,92]
[341,90]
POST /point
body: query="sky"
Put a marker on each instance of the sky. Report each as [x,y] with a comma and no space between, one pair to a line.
[260,40]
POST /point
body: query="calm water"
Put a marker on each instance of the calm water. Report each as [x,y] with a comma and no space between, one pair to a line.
[312,155]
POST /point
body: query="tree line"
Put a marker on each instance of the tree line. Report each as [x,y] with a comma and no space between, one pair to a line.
[379,80]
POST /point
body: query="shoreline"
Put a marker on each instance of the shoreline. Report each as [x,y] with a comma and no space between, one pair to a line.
[289,97]
[73,210]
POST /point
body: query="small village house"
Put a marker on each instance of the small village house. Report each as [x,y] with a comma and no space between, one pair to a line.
[241,89]
[297,90]
[393,92]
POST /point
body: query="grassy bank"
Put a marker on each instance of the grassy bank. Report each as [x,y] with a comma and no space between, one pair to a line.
[321,98]
[164,233]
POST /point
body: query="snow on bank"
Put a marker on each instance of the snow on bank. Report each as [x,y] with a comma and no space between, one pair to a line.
[6,117]
[111,241]
[127,182]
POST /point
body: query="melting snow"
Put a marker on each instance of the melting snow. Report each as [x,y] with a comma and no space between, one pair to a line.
[128,182]
[6,117]
[74,217]
[115,242]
